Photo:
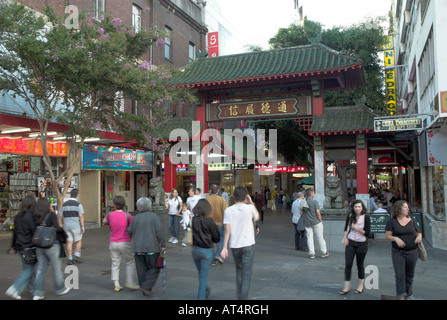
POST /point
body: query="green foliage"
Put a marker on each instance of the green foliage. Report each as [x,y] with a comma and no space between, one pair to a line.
[73,76]
[364,40]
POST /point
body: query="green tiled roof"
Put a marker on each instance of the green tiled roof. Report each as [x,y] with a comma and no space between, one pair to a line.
[164,128]
[288,62]
[345,119]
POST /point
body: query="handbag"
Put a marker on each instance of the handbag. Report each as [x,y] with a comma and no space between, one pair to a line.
[421,247]
[44,236]
[159,262]
[29,255]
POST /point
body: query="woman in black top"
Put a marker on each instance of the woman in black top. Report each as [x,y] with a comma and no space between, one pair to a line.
[404,235]
[24,227]
[205,235]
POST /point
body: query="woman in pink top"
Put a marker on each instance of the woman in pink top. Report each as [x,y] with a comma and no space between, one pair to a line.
[121,245]
[356,234]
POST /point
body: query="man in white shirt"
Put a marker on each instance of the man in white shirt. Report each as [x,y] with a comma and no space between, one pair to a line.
[240,224]
[192,199]
[296,217]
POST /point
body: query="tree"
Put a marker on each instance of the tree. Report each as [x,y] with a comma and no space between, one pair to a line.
[365,40]
[73,77]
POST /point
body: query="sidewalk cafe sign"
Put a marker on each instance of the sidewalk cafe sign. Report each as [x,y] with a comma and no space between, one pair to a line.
[398,124]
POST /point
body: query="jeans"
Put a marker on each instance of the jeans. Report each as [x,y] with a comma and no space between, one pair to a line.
[203,258]
[358,250]
[123,251]
[404,263]
[221,234]
[44,257]
[318,231]
[26,277]
[173,225]
[243,258]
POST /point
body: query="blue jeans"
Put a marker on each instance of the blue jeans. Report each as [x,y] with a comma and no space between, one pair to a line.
[45,256]
[26,277]
[243,258]
[203,258]
[173,225]
[221,234]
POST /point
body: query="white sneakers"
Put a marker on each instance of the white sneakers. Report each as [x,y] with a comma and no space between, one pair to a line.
[13,294]
[173,240]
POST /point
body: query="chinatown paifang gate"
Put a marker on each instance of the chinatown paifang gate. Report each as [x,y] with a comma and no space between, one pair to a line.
[282,83]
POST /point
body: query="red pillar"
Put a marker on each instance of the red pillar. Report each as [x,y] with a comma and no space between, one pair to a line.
[317,98]
[361,152]
[170,172]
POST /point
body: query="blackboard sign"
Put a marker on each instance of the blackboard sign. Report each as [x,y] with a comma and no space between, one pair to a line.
[379,221]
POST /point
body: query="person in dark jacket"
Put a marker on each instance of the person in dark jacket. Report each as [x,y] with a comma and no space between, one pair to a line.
[24,227]
[148,239]
[45,215]
[205,234]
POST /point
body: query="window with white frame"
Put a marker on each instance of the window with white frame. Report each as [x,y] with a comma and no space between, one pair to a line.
[99,7]
[168,43]
[136,18]
[135,110]
[426,64]
[192,52]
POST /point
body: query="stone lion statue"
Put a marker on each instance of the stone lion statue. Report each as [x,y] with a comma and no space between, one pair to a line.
[333,193]
[157,191]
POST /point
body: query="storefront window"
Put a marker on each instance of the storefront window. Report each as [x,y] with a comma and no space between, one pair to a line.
[439,199]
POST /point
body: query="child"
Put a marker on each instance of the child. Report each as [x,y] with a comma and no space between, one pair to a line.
[186,221]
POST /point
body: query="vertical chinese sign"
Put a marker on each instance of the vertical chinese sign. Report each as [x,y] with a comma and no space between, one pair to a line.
[213,44]
[390,78]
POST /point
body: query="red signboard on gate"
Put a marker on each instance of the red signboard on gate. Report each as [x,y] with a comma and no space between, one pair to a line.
[213,44]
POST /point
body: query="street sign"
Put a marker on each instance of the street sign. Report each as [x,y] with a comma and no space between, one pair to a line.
[398,124]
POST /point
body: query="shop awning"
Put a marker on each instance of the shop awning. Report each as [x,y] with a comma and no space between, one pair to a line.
[309,180]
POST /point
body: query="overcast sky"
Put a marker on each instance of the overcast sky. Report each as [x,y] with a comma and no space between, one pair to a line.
[256,21]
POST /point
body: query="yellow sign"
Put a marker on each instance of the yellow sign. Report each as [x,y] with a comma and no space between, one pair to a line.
[390,79]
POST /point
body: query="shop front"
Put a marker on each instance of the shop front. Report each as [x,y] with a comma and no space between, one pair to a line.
[433,156]
[110,171]
[23,173]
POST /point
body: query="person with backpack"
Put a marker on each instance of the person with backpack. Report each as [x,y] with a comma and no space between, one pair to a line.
[24,227]
[49,255]
[174,205]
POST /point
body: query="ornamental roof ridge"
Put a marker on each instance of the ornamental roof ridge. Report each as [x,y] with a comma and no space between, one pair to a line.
[254,66]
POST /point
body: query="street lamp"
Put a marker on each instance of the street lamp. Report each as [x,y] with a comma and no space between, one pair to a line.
[395,67]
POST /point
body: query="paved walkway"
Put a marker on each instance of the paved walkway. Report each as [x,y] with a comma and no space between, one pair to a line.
[279,273]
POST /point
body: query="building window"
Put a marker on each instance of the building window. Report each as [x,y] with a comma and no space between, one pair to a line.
[168,43]
[119,101]
[99,6]
[136,18]
[192,52]
[427,64]
[135,107]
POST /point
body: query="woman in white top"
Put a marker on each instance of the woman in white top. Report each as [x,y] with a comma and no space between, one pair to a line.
[356,234]
[174,205]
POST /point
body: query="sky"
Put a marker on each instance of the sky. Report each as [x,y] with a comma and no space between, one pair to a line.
[256,21]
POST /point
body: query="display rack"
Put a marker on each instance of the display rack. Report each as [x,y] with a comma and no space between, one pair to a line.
[21,185]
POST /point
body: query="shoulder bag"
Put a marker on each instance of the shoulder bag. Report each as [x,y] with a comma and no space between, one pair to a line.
[44,236]
[421,247]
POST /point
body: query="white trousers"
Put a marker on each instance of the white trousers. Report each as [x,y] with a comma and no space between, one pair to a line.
[123,251]
[316,230]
